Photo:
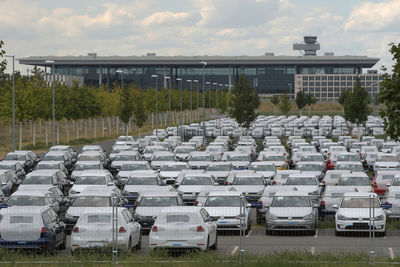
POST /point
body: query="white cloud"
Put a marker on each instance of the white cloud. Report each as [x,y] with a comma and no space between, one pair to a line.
[374,16]
[165,18]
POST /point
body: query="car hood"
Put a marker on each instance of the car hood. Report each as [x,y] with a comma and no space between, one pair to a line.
[219,173]
[124,174]
[158,164]
[278,163]
[304,188]
[34,186]
[182,155]
[77,173]
[81,187]
[223,211]
[117,164]
[249,188]
[290,212]
[360,212]
[143,188]
[76,211]
[112,155]
[194,188]
[363,188]
[169,174]
[266,174]
[240,163]
[199,163]
[386,164]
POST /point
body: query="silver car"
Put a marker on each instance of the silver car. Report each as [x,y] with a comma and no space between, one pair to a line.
[291,211]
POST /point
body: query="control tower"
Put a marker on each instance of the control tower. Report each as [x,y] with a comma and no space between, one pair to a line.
[310,46]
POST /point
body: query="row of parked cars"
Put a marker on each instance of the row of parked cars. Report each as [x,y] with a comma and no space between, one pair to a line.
[181,193]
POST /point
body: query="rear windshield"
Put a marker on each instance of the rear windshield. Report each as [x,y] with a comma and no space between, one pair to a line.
[93,180]
[158,202]
[37,180]
[99,218]
[359,202]
[196,181]
[134,167]
[142,181]
[178,218]
[15,157]
[21,219]
[53,157]
[47,167]
[25,201]
[84,167]
[124,157]
[248,181]
[92,201]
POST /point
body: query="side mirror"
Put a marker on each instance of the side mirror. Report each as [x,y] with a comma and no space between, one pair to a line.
[387,185]
[3,184]
[199,205]
[176,185]
[214,219]
[321,184]
[248,205]
[216,184]
[335,206]
[71,183]
[316,205]
[110,184]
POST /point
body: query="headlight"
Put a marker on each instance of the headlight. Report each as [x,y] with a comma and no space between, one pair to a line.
[237,217]
[73,192]
[260,193]
[316,192]
[342,218]
[68,216]
[308,217]
[379,218]
[271,217]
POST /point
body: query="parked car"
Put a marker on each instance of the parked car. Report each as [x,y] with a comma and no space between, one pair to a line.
[92,178]
[140,182]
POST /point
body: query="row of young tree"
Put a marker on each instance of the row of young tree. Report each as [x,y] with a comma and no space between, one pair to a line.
[284,104]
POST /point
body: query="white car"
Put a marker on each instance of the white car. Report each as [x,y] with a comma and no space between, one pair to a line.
[267,170]
[332,196]
[225,207]
[306,182]
[183,228]
[190,185]
[386,162]
[199,160]
[94,229]
[392,197]
[91,178]
[357,179]
[170,171]
[83,166]
[355,211]
[160,158]
[251,185]
[219,170]
[182,152]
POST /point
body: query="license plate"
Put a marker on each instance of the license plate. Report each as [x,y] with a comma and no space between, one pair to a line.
[291,222]
[223,221]
[96,244]
[176,244]
[22,242]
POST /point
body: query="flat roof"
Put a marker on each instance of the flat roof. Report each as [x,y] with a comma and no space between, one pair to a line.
[364,61]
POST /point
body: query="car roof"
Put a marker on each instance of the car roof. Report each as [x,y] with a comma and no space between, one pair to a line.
[354,174]
[55,153]
[94,172]
[31,192]
[224,193]
[160,194]
[302,175]
[89,162]
[181,209]
[16,210]
[291,193]
[42,172]
[359,194]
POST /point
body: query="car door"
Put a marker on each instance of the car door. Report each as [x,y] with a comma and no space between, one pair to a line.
[52,202]
[57,225]
[134,228]
[211,226]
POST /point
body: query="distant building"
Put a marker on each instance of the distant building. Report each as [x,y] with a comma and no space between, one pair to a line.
[63,79]
[268,73]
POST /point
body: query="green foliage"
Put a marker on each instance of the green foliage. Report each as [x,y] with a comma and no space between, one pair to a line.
[285,104]
[3,62]
[389,95]
[275,100]
[356,107]
[244,102]
[126,105]
[139,111]
[301,100]
[343,96]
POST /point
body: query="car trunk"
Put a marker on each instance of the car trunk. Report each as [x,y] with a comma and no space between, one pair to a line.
[30,230]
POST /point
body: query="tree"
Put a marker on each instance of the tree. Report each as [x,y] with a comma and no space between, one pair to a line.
[301,100]
[389,95]
[139,111]
[244,102]
[126,106]
[275,101]
[356,107]
[342,97]
[3,62]
[310,100]
[285,104]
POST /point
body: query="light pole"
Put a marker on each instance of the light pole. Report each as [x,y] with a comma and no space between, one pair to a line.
[377,92]
[191,93]
[209,99]
[180,116]
[122,77]
[197,98]
[13,103]
[227,97]
[54,113]
[216,96]
[222,93]
[169,100]
[204,109]
[155,77]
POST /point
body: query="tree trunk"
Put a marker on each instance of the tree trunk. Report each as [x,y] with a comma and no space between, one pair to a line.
[94,127]
[309,110]
[102,127]
[117,125]
[34,134]
[58,133]
[67,129]
[9,128]
[20,135]
[77,131]
[30,127]
[109,126]
[139,132]
[358,132]
[47,135]
[152,120]
[40,127]
[86,128]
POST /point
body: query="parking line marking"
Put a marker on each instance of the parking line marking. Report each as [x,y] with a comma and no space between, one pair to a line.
[312,251]
[251,231]
[316,233]
[234,250]
[391,253]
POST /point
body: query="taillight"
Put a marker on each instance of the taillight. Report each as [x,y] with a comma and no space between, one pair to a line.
[226,182]
[76,230]
[44,230]
[122,230]
[261,203]
[200,229]
[274,182]
[323,204]
[154,229]
[137,203]
[196,203]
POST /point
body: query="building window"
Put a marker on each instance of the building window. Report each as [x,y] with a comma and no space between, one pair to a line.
[317,83]
[330,78]
[323,83]
[317,78]
[336,78]
[310,83]
[324,78]
[305,78]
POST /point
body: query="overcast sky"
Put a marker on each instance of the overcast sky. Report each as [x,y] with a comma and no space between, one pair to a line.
[197,27]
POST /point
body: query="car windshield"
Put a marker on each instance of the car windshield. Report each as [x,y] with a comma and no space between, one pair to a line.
[37,180]
[396,181]
[248,181]
[89,157]
[213,149]
[91,180]
[142,181]
[387,159]
[92,201]
[173,168]
[134,167]
[359,202]
[158,202]
[47,167]
[124,157]
[301,181]
[308,167]
[200,158]
[183,150]
[197,180]
[262,168]
[311,158]
[21,219]
[362,181]
[348,158]
[219,168]
[7,167]
[291,201]
[273,158]
[99,218]
[15,157]
[53,158]
[350,167]
[164,158]
[25,201]
[150,150]
[238,158]
[84,167]
[223,201]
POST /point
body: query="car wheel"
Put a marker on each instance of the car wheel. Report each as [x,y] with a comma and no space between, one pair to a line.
[312,232]
[139,244]
[208,244]
[268,232]
[129,247]
[337,233]
[215,246]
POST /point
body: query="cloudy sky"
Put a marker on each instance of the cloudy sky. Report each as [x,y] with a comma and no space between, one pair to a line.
[197,27]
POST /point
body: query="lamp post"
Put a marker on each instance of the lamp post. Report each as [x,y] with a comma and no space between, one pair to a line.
[204,109]
[377,92]
[209,99]
[13,102]
[216,96]
[222,92]
[197,98]
[191,94]
[54,113]
[180,116]
[227,96]
[122,77]
[156,76]
[169,100]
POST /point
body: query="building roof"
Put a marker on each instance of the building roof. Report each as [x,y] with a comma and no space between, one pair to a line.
[364,61]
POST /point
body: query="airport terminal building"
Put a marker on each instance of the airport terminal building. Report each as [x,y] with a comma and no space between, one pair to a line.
[269,74]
